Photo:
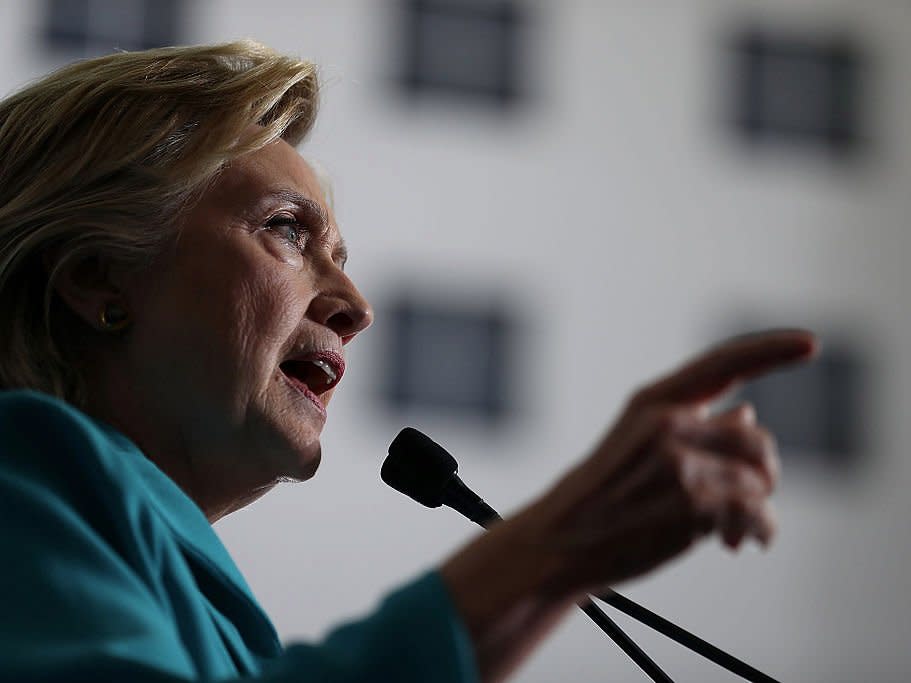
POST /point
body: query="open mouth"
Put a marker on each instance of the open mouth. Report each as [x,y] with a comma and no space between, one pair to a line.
[318,372]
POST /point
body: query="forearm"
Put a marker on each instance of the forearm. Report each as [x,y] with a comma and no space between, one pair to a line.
[509,593]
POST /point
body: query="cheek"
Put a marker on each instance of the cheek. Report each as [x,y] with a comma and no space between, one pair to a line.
[221,326]
[261,316]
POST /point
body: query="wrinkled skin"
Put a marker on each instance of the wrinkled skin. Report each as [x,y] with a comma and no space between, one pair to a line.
[195,381]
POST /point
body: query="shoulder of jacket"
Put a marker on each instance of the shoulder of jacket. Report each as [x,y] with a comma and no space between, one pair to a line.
[49,442]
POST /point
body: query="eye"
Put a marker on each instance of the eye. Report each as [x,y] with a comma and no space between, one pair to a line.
[287,227]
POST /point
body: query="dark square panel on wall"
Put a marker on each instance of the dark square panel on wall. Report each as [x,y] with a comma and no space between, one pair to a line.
[448,359]
[86,28]
[465,48]
[815,410]
[798,90]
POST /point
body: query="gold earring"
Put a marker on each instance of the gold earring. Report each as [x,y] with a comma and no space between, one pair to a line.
[114,318]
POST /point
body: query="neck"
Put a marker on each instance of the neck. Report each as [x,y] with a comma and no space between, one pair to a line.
[172,452]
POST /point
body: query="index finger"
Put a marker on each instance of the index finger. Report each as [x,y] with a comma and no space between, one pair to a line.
[727,365]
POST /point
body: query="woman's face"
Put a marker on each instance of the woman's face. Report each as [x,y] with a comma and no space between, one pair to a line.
[238,332]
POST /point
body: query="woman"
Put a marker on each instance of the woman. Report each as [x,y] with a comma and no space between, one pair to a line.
[175,310]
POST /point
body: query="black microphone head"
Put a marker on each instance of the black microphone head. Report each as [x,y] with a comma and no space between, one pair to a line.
[418,467]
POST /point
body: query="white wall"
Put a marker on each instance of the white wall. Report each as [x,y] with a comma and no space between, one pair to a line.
[627,227]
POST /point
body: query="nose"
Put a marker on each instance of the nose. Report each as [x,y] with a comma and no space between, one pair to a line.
[341,308]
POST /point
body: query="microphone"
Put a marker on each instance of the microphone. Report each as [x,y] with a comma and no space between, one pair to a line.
[424,471]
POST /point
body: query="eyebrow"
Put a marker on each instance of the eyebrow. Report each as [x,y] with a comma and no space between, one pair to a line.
[304,202]
[315,209]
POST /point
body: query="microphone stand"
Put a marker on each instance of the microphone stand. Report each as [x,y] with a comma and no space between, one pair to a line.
[465,501]
[462,499]
[684,637]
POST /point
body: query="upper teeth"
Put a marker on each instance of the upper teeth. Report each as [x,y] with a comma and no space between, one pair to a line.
[325,367]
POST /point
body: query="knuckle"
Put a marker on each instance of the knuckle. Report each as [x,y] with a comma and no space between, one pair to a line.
[640,398]
[742,437]
[755,443]
[766,449]
[664,423]
[766,440]
[669,421]
[746,414]
[773,467]
[674,468]
[741,479]
[659,422]
[690,482]
[672,454]
[739,507]
[699,506]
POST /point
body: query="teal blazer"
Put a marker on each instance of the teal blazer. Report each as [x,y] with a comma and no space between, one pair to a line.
[110,572]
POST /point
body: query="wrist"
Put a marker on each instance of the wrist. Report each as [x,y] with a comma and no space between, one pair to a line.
[507,571]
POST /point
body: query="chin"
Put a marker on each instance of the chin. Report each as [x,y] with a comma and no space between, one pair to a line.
[306,463]
[312,465]
[283,455]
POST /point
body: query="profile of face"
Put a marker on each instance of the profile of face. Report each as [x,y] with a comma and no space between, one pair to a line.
[237,335]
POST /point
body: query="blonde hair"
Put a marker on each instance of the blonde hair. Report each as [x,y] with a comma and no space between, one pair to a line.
[103,156]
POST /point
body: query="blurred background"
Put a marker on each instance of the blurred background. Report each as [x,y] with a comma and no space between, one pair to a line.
[550,203]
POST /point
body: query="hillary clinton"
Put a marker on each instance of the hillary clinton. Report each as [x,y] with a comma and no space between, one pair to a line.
[175,311]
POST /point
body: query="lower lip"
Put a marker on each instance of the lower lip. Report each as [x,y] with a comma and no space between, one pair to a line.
[302,388]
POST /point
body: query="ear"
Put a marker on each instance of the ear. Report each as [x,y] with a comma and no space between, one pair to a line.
[88,285]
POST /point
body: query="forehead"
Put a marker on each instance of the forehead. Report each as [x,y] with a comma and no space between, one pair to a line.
[275,168]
